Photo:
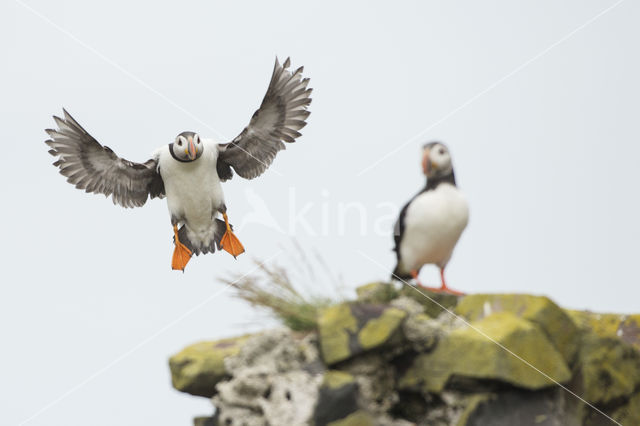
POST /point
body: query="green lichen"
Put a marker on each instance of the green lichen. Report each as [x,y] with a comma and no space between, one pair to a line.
[199,367]
[609,369]
[334,325]
[377,292]
[471,404]
[473,353]
[558,326]
[629,414]
[624,327]
[359,418]
[432,302]
[378,331]
[334,379]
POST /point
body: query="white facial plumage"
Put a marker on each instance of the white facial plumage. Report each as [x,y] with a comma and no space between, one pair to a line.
[187,146]
[436,160]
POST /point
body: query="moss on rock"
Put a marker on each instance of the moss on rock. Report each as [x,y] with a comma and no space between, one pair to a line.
[334,379]
[629,414]
[335,326]
[359,418]
[378,331]
[471,404]
[349,329]
[377,292]
[608,369]
[199,367]
[554,321]
[548,407]
[337,398]
[469,352]
[433,302]
[395,364]
[204,421]
[624,327]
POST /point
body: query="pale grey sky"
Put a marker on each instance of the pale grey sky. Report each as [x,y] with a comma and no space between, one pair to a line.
[89,308]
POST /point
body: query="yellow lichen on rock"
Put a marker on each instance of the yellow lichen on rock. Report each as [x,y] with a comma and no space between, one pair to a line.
[377,331]
[608,369]
[554,321]
[472,352]
[334,379]
[623,327]
[376,292]
[359,418]
[629,414]
[198,367]
[394,357]
[471,403]
[334,325]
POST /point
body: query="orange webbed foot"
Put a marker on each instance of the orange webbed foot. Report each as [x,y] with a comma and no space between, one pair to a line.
[442,289]
[181,254]
[229,242]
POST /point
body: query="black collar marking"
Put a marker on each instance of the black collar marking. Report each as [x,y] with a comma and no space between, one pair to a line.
[175,157]
[432,183]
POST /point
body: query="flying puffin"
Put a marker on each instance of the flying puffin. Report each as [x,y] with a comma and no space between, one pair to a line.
[431,223]
[189,170]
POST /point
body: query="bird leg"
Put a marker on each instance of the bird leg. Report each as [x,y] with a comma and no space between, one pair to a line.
[181,254]
[442,289]
[230,243]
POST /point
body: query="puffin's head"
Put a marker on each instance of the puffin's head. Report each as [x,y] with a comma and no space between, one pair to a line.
[187,146]
[436,160]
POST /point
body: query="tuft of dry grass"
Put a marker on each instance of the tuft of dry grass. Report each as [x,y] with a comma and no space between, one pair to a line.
[272,289]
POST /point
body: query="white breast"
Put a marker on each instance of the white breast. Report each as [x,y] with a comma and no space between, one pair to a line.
[434,222]
[193,189]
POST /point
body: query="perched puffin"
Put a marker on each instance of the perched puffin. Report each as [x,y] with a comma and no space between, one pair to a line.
[431,223]
[189,170]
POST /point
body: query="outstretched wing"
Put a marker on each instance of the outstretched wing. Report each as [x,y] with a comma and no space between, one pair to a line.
[96,168]
[282,113]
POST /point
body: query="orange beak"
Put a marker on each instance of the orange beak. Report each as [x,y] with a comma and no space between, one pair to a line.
[191,150]
[426,163]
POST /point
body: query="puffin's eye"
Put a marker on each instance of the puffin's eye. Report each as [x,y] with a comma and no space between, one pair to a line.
[179,142]
[441,151]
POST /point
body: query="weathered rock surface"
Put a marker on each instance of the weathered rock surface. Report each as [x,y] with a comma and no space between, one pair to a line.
[377,292]
[396,358]
[624,327]
[199,367]
[629,414]
[560,329]
[608,370]
[434,304]
[337,398]
[349,329]
[275,381]
[486,351]
[544,408]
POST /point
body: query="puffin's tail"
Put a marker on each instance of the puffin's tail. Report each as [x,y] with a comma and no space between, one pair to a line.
[214,244]
[398,274]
